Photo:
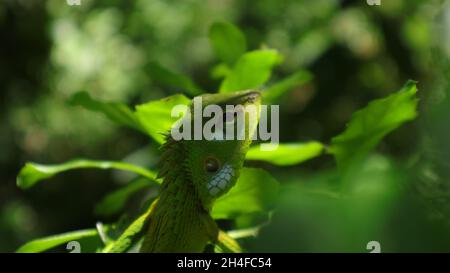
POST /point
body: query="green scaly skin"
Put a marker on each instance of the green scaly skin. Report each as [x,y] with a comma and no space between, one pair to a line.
[180,220]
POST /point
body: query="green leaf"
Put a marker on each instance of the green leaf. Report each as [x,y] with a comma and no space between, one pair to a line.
[251,71]
[173,79]
[115,201]
[274,92]
[226,244]
[255,191]
[155,116]
[220,71]
[32,173]
[311,206]
[286,154]
[369,125]
[46,243]
[244,233]
[116,112]
[228,41]
[130,235]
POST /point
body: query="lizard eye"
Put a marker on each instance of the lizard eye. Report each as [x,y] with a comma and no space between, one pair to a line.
[211,165]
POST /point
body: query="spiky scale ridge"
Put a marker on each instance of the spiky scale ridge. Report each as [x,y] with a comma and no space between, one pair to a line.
[179,221]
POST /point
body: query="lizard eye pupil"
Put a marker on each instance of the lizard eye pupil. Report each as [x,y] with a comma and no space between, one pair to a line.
[211,165]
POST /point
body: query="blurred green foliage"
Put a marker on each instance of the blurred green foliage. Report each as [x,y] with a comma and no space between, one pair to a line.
[134,52]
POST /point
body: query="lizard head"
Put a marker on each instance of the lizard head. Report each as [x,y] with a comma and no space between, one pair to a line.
[214,162]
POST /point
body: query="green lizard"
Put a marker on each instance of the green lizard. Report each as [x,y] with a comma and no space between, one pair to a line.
[195,173]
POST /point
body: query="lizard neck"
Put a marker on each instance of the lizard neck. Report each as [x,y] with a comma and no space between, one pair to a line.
[178,222]
[177,180]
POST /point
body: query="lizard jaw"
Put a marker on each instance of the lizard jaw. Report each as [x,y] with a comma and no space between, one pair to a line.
[221,180]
